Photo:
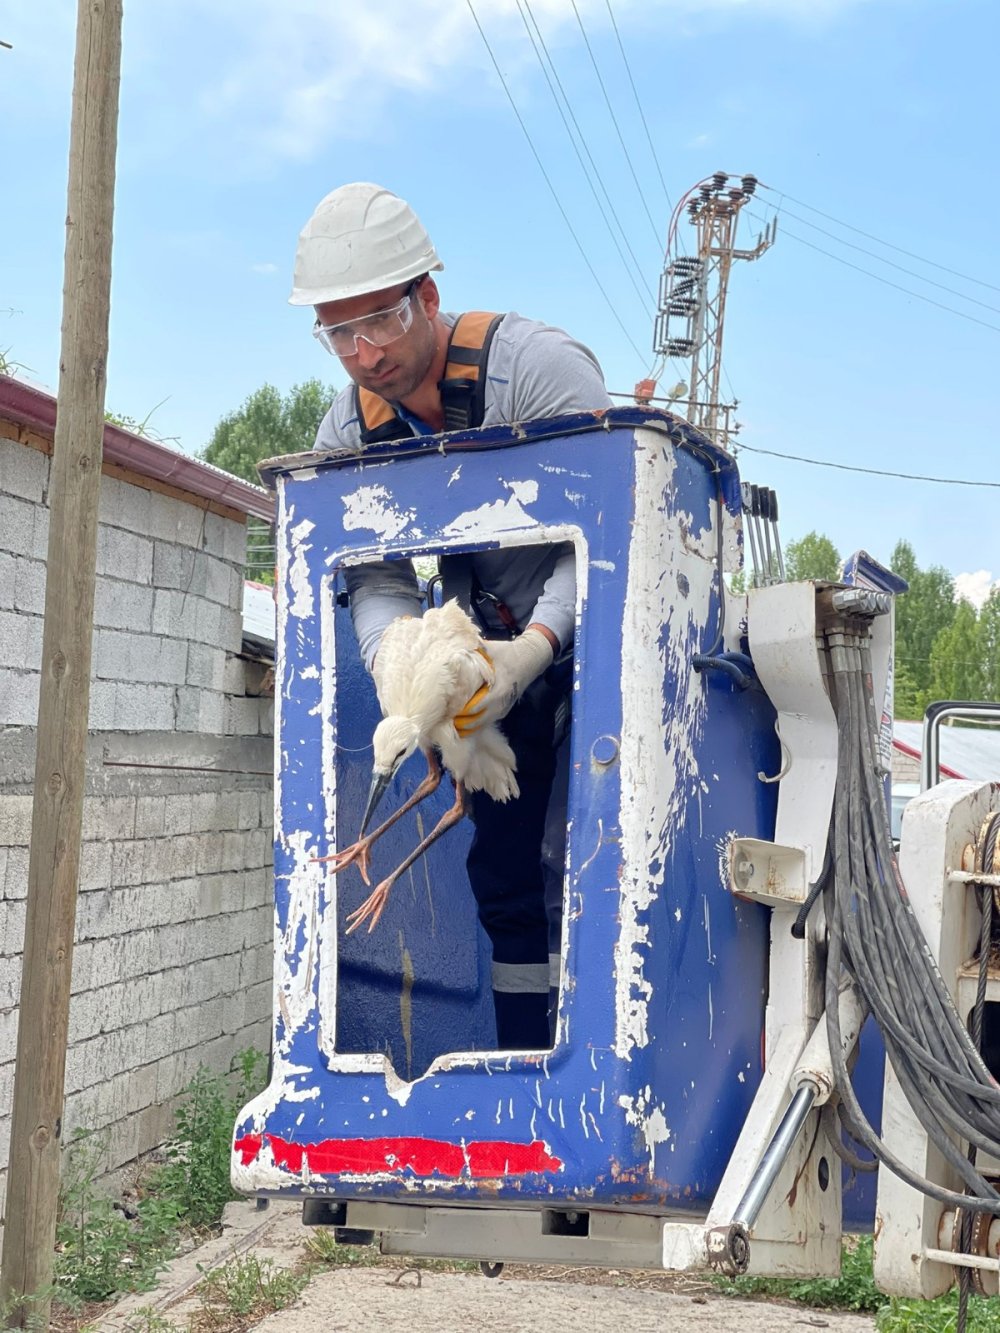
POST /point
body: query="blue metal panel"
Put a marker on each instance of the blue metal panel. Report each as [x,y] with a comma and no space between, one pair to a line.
[659,1051]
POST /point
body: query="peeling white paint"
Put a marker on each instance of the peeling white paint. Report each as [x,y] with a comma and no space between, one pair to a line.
[657,770]
[309,673]
[608,565]
[575,498]
[372,509]
[294,968]
[301,604]
[455,475]
[648,1118]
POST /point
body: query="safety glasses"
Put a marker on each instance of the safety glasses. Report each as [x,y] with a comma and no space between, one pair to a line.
[379,328]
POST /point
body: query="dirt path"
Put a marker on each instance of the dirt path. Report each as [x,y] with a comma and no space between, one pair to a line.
[524,1299]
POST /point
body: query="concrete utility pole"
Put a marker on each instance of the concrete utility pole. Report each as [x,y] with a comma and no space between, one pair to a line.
[693,292]
[57,812]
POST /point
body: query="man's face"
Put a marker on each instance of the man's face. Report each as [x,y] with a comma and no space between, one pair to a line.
[395,370]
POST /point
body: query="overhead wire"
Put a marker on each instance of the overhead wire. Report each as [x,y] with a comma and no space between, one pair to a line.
[870,471]
[786,212]
[911,254]
[552,88]
[638,104]
[614,121]
[552,189]
[917,296]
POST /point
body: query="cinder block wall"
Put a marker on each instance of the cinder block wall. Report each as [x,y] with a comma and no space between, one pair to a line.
[172,963]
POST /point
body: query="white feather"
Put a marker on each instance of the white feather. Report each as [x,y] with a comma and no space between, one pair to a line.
[426,671]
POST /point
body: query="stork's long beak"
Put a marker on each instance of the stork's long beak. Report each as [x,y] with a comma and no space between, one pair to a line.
[375,793]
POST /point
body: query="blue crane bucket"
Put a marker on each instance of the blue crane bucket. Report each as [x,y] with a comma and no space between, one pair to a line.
[387,1083]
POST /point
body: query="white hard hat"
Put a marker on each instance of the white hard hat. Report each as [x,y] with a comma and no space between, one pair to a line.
[361,238]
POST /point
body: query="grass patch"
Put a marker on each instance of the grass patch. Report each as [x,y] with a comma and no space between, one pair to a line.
[854,1289]
[245,1291]
[196,1175]
[940,1316]
[322,1248]
[101,1252]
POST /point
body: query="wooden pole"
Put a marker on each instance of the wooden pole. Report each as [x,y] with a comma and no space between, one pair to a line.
[60,765]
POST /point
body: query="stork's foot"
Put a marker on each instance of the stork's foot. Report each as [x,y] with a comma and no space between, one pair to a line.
[358,853]
[372,907]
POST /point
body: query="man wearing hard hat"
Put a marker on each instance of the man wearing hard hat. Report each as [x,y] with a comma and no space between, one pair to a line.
[364,263]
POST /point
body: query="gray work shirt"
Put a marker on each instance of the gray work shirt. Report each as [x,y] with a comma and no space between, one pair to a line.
[533,370]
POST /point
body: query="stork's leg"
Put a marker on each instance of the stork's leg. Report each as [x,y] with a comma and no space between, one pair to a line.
[358,851]
[374,905]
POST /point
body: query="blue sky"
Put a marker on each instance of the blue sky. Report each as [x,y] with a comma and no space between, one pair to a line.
[236,117]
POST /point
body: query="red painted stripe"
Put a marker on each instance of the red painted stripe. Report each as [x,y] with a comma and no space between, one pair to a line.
[248,1147]
[416,1156]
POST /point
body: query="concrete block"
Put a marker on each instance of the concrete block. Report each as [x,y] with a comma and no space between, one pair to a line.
[127,863]
[231,628]
[14,640]
[124,553]
[141,658]
[172,613]
[8,563]
[39,548]
[235,548]
[10,981]
[177,814]
[108,818]
[18,698]
[173,520]
[95,866]
[206,666]
[218,581]
[248,810]
[150,816]
[234,680]
[229,810]
[29,586]
[174,566]
[140,707]
[101,713]
[209,858]
[125,506]
[214,534]
[207,625]
[200,710]
[242,717]
[15,820]
[205,811]
[17,521]
[12,928]
[120,605]
[23,471]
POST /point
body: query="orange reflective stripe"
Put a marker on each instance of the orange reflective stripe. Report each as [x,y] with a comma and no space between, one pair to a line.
[375,411]
[469,335]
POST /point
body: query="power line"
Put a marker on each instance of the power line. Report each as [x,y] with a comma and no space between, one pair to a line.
[552,188]
[886,281]
[642,116]
[785,212]
[967,277]
[614,119]
[576,149]
[872,471]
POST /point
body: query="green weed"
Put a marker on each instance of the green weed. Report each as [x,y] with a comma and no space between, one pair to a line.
[246,1287]
[855,1289]
[147,1320]
[940,1316]
[196,1175]
[99,1251]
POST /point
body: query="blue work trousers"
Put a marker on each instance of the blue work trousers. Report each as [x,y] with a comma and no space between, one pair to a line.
[516,867]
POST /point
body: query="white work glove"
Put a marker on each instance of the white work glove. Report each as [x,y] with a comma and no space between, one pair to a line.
[516,663]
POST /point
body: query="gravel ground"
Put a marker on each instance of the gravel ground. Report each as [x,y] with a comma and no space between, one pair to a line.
[524,1299]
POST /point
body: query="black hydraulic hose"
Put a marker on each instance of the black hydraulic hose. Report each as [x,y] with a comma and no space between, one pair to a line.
[873,932]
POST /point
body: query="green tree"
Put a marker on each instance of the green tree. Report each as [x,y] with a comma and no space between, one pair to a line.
[956,659]
[921,614]
[812,557]
[266,425]
[989,643]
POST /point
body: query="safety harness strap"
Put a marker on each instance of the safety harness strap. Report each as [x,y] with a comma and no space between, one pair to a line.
[463,388]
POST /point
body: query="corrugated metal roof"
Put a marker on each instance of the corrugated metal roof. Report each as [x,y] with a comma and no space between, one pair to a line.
[258,613]
[966,752]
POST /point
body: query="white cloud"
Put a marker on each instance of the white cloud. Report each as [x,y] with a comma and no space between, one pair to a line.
[297,77]
[975,587]
[263,268]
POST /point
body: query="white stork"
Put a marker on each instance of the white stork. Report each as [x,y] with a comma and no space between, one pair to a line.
[428,670]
